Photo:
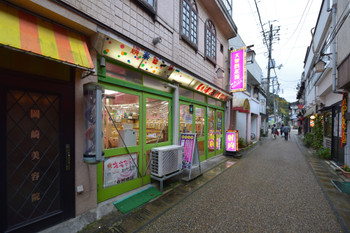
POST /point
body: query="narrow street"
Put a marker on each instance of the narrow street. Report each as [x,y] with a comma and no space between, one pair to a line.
[271,189]
[276,186]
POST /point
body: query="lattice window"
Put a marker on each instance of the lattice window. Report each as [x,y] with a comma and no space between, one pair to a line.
[189,22]
[210,41]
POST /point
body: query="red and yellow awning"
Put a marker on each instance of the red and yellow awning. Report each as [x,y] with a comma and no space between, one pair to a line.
[26,32]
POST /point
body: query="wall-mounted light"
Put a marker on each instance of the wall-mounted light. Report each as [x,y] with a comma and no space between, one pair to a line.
[102,62]
[250,54]
[220,73]
[157,40]
[319,66]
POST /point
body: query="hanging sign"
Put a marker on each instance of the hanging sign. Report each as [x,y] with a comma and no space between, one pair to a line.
[238,70]
[232,140]
[344,108]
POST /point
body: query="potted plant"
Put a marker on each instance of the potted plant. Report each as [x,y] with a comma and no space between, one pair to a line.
[346,171]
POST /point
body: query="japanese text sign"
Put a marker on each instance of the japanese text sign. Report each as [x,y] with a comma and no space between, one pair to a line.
[238,70]
[232,140]
[187,141]
[119,169]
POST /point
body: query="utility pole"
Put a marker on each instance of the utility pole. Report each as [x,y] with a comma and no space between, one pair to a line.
[273,34]
[268,70]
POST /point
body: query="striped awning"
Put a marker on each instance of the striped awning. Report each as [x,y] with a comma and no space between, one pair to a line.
[26,32]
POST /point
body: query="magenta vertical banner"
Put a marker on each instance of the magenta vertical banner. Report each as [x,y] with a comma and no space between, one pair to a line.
[187,141]
[232,140]
[238,70]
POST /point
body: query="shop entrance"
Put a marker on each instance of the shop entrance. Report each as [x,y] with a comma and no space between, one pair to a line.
[215,132]
[195,123]
[140,121]
[37,150]
[337,150]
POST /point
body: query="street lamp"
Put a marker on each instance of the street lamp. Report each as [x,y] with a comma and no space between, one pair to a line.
[250,54]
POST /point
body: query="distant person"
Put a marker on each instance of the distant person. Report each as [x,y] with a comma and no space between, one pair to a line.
[286,131]
[273,131]
[281,129]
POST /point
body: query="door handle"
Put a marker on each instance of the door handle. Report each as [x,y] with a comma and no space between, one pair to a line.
[67,157]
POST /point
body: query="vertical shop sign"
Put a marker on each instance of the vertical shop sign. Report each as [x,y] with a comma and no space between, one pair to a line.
[119,169]
[211,140]
[232,140]
[191,155]
[344,108]
[238,70]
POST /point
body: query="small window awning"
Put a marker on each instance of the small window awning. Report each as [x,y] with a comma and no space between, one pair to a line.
[241,105]
[310,111]
[25,32]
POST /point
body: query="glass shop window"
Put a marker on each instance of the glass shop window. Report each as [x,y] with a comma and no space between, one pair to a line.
[186,93]
[185,119]
[157,120]
[328,124]
[124,110]
[200,122]
[211,132]
[121,73]
[155,84]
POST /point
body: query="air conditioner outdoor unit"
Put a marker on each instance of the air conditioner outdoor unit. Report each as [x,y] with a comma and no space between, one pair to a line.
[166,160]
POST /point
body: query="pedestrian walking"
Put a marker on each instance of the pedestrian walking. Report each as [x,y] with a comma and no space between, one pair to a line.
[281,129]
[286,131]
[273,131]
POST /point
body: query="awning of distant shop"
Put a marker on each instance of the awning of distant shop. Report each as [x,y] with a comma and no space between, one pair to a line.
[310,111]
[138,58]
[25,32]
[241,105]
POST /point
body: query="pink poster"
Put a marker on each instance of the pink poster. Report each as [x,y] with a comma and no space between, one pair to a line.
[187,141]
[238,70]
[232,140]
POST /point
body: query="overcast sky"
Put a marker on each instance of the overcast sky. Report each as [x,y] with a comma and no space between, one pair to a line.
[295,18]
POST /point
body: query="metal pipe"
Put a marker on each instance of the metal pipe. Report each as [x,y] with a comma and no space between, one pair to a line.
[334,54]
[176,113]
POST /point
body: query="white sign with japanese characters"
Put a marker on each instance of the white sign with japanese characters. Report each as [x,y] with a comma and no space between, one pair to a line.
[119,169]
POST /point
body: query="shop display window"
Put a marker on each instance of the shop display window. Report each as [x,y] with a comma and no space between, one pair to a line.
[124,111]
[211,132]
[328,124]
[185,119]
[186,93]
[119,72]
[201,148]
[199,97]
[200,113]
[219,123]
[157,120]
[211,101]
[154,83]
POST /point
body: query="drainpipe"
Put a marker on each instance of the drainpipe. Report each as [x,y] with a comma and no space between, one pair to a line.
[176,113]
[333,50]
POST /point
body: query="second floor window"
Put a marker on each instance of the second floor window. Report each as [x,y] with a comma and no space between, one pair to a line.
[189,22]
[210,41]
[148,5]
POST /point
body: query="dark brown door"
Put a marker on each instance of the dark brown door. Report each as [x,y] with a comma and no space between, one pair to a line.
[37,145]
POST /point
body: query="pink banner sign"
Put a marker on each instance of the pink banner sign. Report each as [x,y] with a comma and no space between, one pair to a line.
[187,141]
[238,70]
[232,141]
[211,140]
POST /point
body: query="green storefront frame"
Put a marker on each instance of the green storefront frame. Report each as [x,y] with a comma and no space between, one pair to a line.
[143,148]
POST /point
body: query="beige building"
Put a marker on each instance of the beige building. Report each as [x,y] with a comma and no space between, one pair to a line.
[164,68]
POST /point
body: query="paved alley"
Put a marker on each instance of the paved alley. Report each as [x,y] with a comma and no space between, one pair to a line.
[271,189]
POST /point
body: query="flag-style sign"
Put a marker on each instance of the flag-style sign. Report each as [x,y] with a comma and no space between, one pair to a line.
[300,106]
[238,70]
